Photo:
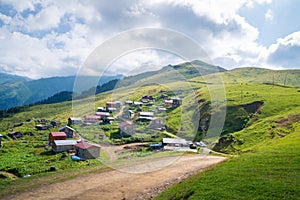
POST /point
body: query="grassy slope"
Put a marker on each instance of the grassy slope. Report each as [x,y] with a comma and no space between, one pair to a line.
[279,102]
[270,172]
[269,166]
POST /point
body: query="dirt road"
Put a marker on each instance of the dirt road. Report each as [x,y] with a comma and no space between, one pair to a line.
[118,184]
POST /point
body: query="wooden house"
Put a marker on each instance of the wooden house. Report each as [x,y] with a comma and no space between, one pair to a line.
[87,151]
[126,128]
[63,145]
[74,120]
[113,104]
[103,115]
[176,101]
[168,102]
[92,119]
[175,144]
[70,132]
[128,102]
[57,136]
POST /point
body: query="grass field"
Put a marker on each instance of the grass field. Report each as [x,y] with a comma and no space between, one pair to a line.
[264,134]
[269,172]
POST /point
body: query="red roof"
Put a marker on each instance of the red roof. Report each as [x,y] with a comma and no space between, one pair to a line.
[85,145]
[58,134]
[92,117]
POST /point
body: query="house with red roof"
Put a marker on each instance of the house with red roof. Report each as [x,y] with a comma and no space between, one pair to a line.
[57,136]
[86,150]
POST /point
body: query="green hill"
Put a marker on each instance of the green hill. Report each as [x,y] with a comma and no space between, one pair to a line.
[261,128]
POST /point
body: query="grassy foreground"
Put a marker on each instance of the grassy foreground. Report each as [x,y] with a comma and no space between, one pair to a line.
[270,172]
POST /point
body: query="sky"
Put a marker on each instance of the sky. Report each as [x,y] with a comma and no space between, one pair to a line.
[44,38]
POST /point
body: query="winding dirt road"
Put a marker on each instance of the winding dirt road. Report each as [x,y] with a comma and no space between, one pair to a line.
[120,184]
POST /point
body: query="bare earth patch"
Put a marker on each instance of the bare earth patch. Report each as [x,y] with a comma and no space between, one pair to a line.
[119,184]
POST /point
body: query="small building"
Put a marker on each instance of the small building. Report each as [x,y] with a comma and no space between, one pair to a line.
[146,114]
[164,96]
[113,104]
[92,119]
[156,146]
[110,110]
[15,134]
[42,127]
[168,102]
[70,132]
[87,151]
[57,136]
[131,113]
[175,144]
[129,102]
[55,123]
[74,120]
[176,101]
[110,119]
[137,103]
[103,115]
[126,128]
[63,145]
[101,109]
[162,109]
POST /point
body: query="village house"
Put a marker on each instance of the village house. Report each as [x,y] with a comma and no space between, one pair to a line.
[175,144]
[113,104]
[85,150]
[103,115]
[162,109]
[70,132]
[74,120]
[176,101]
[126,128]
[63,145]
[56,136]
[101,109]
[94,119]
[137,103]
[128,102]
[158,124]
[168,102]
[146,116]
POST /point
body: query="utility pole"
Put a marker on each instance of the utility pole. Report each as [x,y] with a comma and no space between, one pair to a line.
[285,79]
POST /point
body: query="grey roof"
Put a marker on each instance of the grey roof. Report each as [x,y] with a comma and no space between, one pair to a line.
[146,114]
[68,127]
[65,142]
[174,141]
[76,118]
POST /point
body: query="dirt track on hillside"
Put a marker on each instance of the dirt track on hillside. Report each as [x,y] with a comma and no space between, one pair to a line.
[118,184]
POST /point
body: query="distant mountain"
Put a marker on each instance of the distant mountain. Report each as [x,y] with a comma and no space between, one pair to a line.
[23,91]
[9,78]
[172,73]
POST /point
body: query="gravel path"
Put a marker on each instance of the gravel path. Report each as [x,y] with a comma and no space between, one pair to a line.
[119,184]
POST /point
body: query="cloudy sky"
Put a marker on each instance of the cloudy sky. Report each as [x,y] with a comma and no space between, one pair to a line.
[43,38]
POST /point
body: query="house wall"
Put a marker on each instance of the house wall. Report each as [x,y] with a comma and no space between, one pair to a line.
[62,148]
[51,138]
[69,133]
[90,153]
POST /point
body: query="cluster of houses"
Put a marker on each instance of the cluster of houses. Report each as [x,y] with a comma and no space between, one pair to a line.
[60,143]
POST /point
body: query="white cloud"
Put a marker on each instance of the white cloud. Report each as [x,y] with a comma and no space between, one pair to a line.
[269,15]
[284,53]
[57,36]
